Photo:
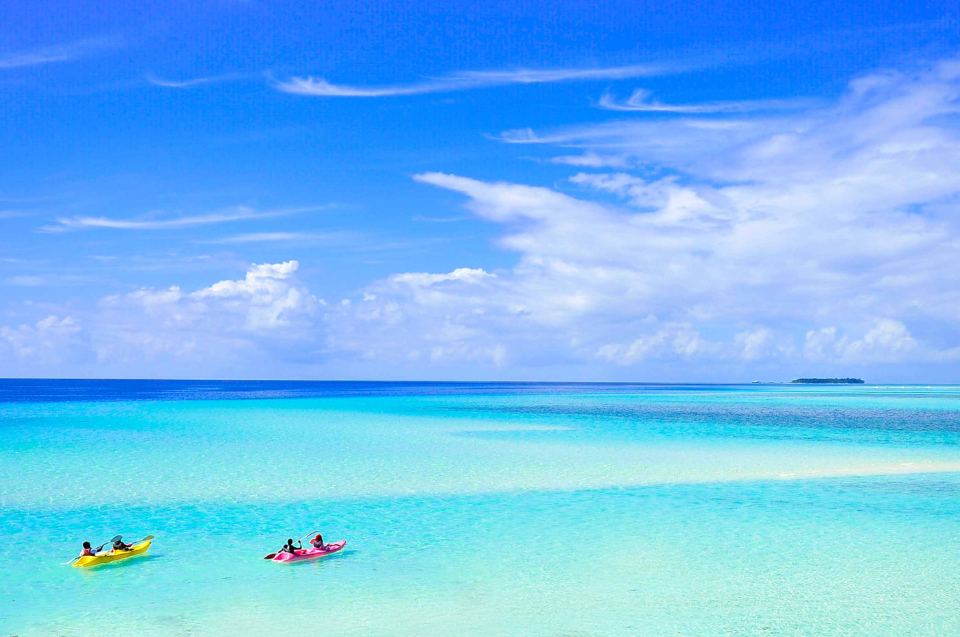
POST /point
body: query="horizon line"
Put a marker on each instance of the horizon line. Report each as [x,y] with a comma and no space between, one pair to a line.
[554,382]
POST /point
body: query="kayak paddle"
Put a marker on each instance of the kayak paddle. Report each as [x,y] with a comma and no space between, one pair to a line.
[273,555]
[110,541]
[132,544]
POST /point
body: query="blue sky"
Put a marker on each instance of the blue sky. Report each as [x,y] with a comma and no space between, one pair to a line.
[619,191]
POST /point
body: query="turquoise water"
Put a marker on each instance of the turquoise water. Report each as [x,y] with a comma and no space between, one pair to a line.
[555,510]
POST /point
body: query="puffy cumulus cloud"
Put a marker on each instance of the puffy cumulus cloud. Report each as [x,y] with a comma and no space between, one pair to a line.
[435,319]
[684,342]
[679,341]
[51,340]
[754,344]
[268,296]
[265,280]
[228,328]
[887,340]
[423,279]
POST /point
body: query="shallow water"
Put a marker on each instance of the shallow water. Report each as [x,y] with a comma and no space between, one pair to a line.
[489,509]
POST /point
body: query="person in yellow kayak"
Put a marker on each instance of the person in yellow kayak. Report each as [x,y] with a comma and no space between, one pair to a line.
[290,548]
[317,542]
[87,551]
[118,545]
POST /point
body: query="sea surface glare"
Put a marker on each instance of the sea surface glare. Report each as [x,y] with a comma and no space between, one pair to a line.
[482,509]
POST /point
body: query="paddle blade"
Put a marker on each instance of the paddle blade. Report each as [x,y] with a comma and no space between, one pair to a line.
[269,557]
[147,539]
[115,538]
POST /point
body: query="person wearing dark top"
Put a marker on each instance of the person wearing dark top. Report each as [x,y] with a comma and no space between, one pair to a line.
[87,551]
[317,542]
[290,548]
[120,546]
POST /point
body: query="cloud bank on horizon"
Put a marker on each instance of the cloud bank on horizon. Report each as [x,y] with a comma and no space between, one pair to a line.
[733,238]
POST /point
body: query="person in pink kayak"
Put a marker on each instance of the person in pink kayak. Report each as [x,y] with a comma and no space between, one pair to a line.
[317,542]
[290,548]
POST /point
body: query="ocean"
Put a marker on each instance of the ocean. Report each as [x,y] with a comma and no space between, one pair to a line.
[482,509]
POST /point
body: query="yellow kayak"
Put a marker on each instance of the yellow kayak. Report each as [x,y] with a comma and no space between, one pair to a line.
[112,556]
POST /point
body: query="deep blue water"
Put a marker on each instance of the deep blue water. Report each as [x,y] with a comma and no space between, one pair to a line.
[49,390]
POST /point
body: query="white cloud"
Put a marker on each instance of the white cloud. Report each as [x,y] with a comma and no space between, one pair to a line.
[753,344]
[640,101]
[48,341]
[268,237]
[55,53]
[887,340]
[539,76]
[423,218]
[593,160]
[267,313]
[268,295]
[466,80]
[197,81]
[680,341]
[423,279]
[239,213]
[28,280]
[671,201]
[520,136]
[820,343]
[46,279]
[319,87]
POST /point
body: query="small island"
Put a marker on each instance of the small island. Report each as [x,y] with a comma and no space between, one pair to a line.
[827,381]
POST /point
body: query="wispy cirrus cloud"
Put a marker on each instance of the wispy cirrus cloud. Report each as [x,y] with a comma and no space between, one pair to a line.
[322,88]
[239,213]
[465,80]
[197,81]
[37,280]
[285,237]
[165,261]
[427,219]
[593,160]
[640,101]
[55,53]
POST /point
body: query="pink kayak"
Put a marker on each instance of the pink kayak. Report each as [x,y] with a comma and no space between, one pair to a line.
[309,554]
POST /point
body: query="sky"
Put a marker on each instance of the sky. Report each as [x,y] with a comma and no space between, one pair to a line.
[596,191]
